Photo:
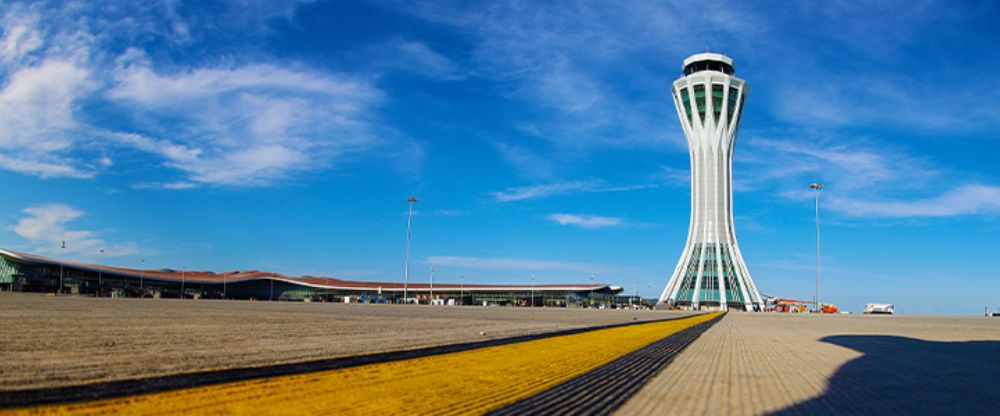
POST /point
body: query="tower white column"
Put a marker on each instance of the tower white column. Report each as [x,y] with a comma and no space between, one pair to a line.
[711,272]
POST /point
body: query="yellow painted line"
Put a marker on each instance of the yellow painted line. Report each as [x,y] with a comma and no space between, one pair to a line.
[468,382]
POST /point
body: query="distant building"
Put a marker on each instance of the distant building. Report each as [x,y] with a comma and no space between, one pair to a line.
[31,273]
[711,273]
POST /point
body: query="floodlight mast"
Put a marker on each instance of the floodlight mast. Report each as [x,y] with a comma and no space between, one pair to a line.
[816,187]
[406,270]
[62,253]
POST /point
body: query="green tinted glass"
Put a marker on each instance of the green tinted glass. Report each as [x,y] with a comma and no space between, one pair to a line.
[699,98]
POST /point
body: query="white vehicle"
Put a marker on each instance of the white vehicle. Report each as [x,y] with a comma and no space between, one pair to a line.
[879,309]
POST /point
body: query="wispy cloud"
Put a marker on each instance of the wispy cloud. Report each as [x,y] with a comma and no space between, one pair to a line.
[248,125]
[564,188]
[862,181]
[543,191]
[417,57]
[559,59]
[964,200]
[586,221]
[526,162]
[516,264]
[45,227]
[853,164]
[247,122]
[441,213]
[38,126]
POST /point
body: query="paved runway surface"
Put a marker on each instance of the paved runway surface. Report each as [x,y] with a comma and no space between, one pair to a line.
[467,382]
[51,342]
[808,364]
[744,364]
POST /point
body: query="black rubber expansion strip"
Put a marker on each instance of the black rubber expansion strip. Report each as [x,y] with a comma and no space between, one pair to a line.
[604,389]
[131,387]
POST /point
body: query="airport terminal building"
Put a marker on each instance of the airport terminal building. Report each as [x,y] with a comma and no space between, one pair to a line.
[31,273]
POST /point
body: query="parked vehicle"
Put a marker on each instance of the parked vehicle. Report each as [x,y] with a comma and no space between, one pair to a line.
[879,309]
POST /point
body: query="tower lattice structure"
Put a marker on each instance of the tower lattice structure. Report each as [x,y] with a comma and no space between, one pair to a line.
[711,272]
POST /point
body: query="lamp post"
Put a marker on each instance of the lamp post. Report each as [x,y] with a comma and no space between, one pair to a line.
[406,270]
[461,292]
[649,286]
[430,300]
[142,270]
[100,275]
[816,187]
[62,255]
[635,284]
[223,287]
[592,290]
[532,291]
[183,269]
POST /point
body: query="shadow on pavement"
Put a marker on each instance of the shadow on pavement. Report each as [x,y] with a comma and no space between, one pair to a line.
[899,375]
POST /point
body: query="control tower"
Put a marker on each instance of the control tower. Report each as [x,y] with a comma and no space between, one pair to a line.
[711,273]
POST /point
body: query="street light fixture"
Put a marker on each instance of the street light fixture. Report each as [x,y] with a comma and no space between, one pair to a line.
[592,289]
[100,275]
[635,284]
[816,187]
[409,223]
[142,270]
[62,254]
[532,291]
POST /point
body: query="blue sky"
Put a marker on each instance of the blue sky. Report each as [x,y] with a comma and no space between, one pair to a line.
[540,139]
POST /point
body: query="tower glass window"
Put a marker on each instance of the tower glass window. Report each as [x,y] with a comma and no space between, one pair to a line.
[686,99]
[733,93]
[717,99]
[699,100]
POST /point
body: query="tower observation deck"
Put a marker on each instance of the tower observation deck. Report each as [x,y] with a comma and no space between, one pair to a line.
[711,273]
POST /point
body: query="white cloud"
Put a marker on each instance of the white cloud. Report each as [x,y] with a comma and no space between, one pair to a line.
[566,62]
[585,221]
[516,264]
[861,181]
[38,128]
[45,226]
[20,36]
[563,188]
[418,57]
[249,125]
[966,199]
[525,162]
[849,162]
[543,191]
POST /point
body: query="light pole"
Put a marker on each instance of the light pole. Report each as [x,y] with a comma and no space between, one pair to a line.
[409,223]
[635,284]
[183,269]
[592,290]
[62,255]
[816,187]
[430,300]
[649,287]
[100,275]
[223,286]
[461,291]
[141,271]
[532,291]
